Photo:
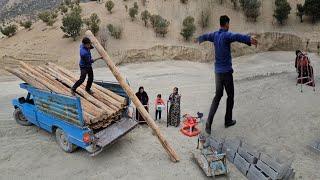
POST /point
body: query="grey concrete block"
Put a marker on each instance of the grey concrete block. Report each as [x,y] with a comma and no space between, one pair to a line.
[247,155]
[241,164]
[280,167]
[251,150]
[255,174]
[268,170]
[215,143]
[231,153]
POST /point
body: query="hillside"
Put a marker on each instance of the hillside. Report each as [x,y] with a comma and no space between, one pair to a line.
[44,43]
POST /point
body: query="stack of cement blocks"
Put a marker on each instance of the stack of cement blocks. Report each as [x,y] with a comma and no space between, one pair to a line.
[316,146]
[251,163]
[270,168]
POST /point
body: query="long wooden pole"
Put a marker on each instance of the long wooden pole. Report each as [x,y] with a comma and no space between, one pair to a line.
[173,156]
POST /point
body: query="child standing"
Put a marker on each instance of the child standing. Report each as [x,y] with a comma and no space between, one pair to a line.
[159,105]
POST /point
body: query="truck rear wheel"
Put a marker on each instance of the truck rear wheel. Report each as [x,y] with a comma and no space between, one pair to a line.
[62,140]
[19,117]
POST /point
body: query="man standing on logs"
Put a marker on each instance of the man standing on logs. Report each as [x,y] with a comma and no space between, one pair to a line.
[85,66]
[222,40]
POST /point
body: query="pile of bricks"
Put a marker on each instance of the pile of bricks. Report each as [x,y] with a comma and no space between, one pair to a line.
[251,163]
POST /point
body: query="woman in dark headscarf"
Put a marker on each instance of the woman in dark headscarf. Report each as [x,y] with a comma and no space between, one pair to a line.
[144,99]
[174,111]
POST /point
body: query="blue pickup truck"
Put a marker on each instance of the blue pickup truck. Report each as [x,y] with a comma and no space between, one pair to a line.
[62,115]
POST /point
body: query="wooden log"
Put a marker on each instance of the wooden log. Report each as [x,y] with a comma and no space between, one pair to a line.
[115,71]
[87,107]
[20,74]
[55,87]
[115,96]
[82,92]
[113,104]
[23,77]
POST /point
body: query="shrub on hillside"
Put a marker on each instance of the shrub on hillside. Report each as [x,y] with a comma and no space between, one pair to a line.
[312,8]
[115,31]
[251,8]
[235,4]
[161,26]
[145,15]
[72,24]
[133,12]
[9,30]
[282,10]
[300,11]
[63,9]
[93,23]
[26,24]
[204,19]
[188,28]
[184,1]
[48,17]
[135,5]
[154,19]
[109,5]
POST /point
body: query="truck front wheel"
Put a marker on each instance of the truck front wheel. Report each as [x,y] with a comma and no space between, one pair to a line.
[62,140]
[20,119]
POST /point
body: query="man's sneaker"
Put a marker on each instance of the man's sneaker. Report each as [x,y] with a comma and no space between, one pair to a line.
[89,91]
[233,122]
[73,93]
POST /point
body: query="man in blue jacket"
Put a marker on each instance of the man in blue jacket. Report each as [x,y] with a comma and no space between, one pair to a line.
[85,66]
[222,40]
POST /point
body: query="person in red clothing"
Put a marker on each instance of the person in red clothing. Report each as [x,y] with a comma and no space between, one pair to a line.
[159,105]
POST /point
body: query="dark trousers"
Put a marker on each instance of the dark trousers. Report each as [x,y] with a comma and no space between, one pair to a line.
[158,112]
[84,72]
[223,81]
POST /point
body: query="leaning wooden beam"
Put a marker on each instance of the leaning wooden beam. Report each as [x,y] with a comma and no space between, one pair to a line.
[174,157]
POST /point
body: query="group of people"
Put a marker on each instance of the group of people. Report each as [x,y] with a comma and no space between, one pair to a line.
[222,40]
[159,105]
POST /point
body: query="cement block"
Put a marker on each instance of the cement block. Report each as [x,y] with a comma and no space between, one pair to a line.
[215,143]
[251,150]
[273,163]
[241,164]
[231,153]
[268,170]
[247,155]
[255,174]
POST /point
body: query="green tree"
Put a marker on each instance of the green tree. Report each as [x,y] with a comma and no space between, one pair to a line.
[145,15]
[154,19]
[26,24]
[93,23]
[72,24]
[282,10]
[133,12]
[135,5]
[188,28]
[300,11]
[184,1]
[251,8]
[312,8]
[109,5]
[161,27]
[115,31]
[9,30]
[76,9]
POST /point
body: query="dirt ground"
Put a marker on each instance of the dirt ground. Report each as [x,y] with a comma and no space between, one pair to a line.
[272,115]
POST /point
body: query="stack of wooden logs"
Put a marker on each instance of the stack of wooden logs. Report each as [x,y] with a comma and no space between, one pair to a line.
[100,108]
